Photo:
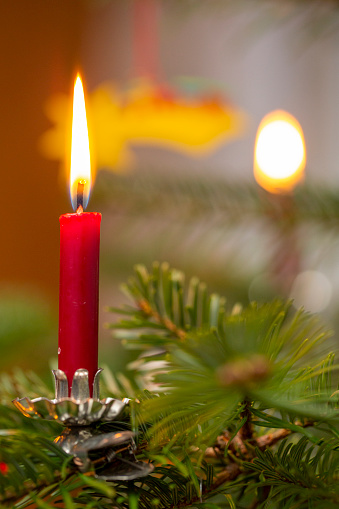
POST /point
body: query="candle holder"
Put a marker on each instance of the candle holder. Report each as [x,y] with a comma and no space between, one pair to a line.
[111,455]
[77,410]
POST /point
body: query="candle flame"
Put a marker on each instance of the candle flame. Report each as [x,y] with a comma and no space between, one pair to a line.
[280,154]
[80,179]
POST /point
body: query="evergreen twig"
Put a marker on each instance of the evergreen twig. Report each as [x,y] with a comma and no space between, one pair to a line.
[232,373]
[146,307]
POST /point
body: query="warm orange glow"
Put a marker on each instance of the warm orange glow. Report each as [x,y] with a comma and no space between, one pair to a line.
[144,114]
[279,155]
[80,179]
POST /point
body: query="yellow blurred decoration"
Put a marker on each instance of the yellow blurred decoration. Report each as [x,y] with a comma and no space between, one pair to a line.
[280,155]
[145,115]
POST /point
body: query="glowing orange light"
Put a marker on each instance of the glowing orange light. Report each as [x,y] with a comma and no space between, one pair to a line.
[80,179]
[279,155]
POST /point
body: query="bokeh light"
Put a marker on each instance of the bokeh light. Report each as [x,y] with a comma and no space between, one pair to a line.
[280,155]
[312,290]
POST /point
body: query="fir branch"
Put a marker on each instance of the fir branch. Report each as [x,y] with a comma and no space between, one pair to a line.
[223,200]
[149,312]
[227,367]
[228,474]
[226,359]
[33,463]
[229,373]
[11,499]
[166,309]
[297,471]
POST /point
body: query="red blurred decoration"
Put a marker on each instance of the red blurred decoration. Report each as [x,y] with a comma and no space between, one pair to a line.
[3,468]
[146,14]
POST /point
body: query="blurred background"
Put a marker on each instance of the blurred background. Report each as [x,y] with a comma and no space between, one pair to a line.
[176,91]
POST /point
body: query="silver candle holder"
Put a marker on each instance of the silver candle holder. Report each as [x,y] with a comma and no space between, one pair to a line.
[110,455]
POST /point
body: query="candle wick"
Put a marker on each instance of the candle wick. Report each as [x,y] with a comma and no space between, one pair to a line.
[80,196]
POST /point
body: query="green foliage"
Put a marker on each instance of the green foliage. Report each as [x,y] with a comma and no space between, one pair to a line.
[299,472]
[233,406]
[24,317]
[256,368]
[263,353]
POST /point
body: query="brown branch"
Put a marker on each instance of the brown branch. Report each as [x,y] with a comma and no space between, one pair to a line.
[146,308]
[239,447]
[235,445]
[246,432]
[229,473]
[272,438]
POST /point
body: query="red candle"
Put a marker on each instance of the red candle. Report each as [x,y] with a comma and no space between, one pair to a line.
[79,260]
[78,295]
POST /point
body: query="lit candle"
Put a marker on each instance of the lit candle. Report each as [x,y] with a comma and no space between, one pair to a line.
[79,259]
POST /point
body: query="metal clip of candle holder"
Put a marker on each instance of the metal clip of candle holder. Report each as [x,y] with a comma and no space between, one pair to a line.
[110,454]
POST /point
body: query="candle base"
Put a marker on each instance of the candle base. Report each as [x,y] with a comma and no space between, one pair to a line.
[110,455]
[77,410]
[80,386]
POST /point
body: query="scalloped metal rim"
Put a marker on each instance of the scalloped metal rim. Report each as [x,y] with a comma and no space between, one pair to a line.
[70,412]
